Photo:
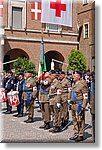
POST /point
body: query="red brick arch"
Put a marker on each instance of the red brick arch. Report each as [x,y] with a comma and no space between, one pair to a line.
[12,55]
[53,54]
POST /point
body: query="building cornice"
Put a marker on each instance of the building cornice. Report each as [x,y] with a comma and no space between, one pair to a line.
[39,40]
[40,31]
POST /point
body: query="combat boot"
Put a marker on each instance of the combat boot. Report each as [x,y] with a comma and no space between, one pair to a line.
[80,138]
[47,126]
[29,120]
[56,129]
[43,126]
[74,137]
[51,130]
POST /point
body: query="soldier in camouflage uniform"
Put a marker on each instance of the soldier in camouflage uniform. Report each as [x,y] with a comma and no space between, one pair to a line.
[29,95]
[55,102]
[79,101]
[65,85]
[44,91]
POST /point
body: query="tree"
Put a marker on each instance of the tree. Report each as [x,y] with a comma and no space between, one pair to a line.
[24,64]
[76,61]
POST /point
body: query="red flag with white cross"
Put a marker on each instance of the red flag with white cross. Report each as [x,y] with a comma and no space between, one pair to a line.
[1,8]
[57,12]
[36,10]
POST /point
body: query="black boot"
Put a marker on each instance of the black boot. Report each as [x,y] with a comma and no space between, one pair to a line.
[74,137]
[51,130]
[29,120]
[47,126]
[43,126]
[20,115]
[56,129]
[80,138]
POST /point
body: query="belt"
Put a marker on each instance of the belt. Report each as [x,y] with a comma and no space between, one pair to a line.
[28,91]
[77,102]
[51,96]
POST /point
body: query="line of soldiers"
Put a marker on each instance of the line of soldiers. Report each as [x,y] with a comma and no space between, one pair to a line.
[58,94]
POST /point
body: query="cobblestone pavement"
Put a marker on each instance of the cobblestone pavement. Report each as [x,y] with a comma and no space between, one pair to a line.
[16,130]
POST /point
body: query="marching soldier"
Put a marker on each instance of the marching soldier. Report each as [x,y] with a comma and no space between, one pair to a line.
[79,101]
[9,85]
[29,95]
[55,102]
[44,91]
[19,88]
[65,84]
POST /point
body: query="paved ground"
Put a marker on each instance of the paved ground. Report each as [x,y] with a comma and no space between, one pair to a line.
[15,130]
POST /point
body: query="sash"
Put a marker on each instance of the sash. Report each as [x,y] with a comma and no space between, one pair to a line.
[73,95]
[28,97]
[79,106]
[44,91]
[24,86]
[75,99]
[93,88]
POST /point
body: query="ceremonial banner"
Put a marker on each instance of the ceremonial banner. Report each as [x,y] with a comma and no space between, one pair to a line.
[57,12]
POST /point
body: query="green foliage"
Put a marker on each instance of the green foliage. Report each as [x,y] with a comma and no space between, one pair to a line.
[76,61]
[24,64]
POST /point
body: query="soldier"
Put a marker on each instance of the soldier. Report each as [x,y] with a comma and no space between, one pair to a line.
[29,95]
[19,88]
[79,101]
[65,84]
[44,91]
[55,102]
[92,103]
[9,85]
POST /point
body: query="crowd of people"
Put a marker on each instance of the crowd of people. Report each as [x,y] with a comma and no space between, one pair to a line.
[57,93]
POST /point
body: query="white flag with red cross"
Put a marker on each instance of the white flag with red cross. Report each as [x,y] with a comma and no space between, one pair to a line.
[1,8]
[36,10]
[57,12]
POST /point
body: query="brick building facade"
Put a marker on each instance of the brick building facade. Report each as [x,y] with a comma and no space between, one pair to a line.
[23,39]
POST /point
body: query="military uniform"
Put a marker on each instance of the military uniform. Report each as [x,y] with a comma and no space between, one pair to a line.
[55,104]
[9,85]
[44,91]
[92,106]
[29,95]
[79,101]
[65,85]
[19,88]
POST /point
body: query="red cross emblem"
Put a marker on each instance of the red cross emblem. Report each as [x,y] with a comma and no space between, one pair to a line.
[58,6]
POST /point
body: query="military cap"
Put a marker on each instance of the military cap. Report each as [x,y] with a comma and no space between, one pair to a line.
[69,72]
[10,72]
[20,73]
[77,72]
[52,72]
[62,72]
[28,71]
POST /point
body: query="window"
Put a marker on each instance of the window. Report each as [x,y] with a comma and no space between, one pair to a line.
[53,27]
[16,17]
[17,14]
[85,2]
[86,30]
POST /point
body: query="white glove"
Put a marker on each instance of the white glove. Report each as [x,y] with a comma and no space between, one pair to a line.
[58,105]
[45,82]
[59,92]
